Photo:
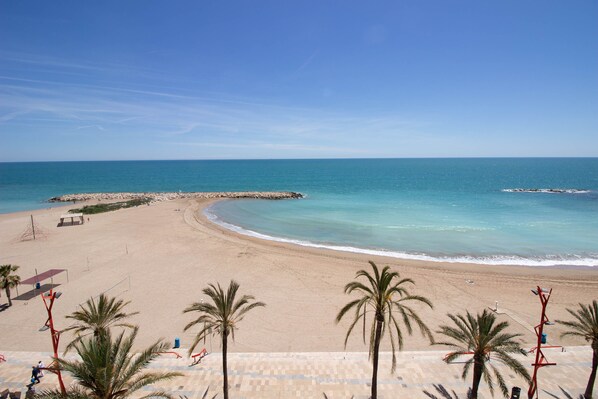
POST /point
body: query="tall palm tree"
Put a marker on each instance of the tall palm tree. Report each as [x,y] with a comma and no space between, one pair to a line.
[220,317]
[386,296]
[9,280]
[482,337]
[585,325]
[97,317]
[109,370]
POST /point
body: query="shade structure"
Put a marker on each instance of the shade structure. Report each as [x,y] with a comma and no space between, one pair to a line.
[42,276]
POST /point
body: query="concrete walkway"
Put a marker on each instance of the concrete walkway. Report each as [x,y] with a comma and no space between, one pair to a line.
[420,374]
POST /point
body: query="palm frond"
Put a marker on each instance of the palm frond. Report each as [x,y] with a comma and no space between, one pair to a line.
[109,369]
[383,294]
[481,335]
[97,317]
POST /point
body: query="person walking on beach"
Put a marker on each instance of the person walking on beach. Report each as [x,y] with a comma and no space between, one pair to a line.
[35,375]
[40,367]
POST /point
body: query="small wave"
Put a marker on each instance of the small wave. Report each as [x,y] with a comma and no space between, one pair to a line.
[512,260]
[546,190]
[459,229]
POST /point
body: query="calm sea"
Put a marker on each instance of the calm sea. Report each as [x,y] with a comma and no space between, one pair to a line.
[436,209]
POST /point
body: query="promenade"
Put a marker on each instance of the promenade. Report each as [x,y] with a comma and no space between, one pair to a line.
[420,374]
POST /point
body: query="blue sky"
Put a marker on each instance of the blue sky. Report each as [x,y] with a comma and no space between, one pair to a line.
[303,79]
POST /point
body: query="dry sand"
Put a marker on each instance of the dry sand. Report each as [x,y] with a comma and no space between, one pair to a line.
[161,257]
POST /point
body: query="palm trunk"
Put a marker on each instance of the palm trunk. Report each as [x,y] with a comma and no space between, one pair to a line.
[377,339]
[224,367]
[8,295]
[477,376]
[590,387]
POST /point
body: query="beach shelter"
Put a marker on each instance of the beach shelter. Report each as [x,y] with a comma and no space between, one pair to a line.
[39,278]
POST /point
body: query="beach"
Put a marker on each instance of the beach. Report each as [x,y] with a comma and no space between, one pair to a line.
[161,256]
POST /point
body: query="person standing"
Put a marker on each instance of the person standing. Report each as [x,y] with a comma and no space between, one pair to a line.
[40,367]
[35,375]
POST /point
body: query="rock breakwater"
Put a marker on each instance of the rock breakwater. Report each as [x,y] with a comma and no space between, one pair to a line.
[157,197]
[547,190]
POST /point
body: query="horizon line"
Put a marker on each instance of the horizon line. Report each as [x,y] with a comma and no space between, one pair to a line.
[301,159]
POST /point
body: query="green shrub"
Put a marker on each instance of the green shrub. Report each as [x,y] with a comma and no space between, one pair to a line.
[101,208]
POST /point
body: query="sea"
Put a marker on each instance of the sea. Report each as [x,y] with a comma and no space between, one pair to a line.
[490,211]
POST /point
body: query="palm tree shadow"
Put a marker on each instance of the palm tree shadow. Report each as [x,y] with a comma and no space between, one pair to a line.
[567,394]
[444,393]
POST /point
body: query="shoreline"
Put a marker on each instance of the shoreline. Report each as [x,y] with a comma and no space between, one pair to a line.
[161,256]
[337,253]
[491,260]
[506,260]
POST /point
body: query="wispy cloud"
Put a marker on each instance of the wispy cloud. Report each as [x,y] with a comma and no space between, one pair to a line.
[308,61]
[61,64]
[98,127]
[197,119]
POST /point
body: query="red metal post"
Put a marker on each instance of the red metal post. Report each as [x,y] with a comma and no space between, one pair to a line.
[54,367]
[541,360]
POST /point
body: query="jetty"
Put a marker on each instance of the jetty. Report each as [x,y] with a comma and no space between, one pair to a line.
[158,196]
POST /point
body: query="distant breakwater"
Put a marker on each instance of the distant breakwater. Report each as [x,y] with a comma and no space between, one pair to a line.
[547,190]
[157,197]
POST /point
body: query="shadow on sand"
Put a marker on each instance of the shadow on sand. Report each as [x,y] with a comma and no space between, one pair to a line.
[35,292]
[443,393]
[562,395]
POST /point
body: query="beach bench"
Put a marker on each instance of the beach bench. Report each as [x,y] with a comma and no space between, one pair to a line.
[198,356]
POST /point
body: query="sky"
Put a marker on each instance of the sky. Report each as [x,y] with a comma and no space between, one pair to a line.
[149,79]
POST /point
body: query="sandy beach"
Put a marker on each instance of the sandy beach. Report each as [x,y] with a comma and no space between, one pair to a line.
[161,256]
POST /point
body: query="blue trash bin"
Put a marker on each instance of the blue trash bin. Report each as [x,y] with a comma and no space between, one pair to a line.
[38,286]
[177,343]
[543,340]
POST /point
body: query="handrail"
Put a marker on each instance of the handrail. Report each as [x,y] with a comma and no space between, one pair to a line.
[172,353]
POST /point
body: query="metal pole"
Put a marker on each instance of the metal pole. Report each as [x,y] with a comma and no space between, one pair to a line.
[35,284]
[54,366]
[32,226]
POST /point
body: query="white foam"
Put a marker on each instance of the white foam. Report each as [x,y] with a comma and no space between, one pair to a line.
[513,260]
[546,190]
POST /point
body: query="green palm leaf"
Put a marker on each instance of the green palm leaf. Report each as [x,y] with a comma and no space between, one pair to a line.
[9,280]
[485,339]
[97,317]
[585,325]
[109,369]
[385,296]
[220,317]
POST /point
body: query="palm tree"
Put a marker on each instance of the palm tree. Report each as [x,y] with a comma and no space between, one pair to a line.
[97,317]
[220,317]
[386,296]
[9,280]
[109,370]
[585,326]
[484,339]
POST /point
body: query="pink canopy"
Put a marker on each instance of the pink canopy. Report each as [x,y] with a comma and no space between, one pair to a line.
[42,276]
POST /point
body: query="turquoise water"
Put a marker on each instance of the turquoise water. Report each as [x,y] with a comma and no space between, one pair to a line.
[438,209]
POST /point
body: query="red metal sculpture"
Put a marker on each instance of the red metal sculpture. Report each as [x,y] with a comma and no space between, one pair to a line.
[541,360]
[53,367]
